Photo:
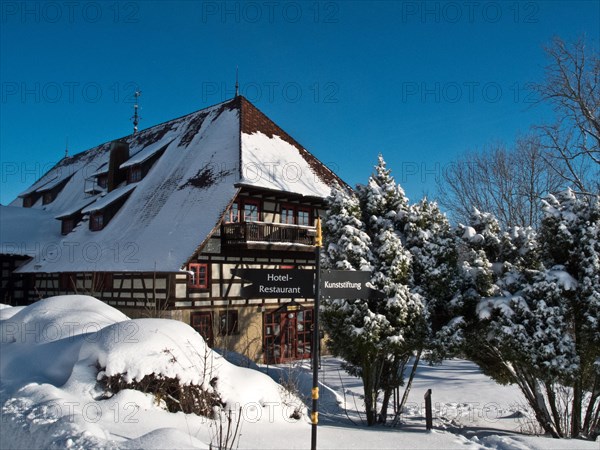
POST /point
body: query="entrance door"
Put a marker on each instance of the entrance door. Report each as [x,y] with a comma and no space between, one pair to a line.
[287,335]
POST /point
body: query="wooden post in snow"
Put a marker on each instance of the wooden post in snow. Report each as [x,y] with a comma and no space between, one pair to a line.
[428,413]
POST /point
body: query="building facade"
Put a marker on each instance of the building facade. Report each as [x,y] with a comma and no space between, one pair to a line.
[156,224]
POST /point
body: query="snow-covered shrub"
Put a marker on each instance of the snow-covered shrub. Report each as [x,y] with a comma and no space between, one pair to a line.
[529,309]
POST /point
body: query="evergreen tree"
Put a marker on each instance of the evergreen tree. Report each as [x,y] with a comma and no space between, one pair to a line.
[373,336]
[529,307]
[430,240]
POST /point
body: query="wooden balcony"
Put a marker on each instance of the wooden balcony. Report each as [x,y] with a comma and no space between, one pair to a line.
[265,235]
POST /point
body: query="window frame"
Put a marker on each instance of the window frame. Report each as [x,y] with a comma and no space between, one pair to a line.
[97,221]
[229,322]
[196,281]
[135,174]
[102,181]
[202,322]
[287,216]
[247,202]
[295,214]
[237,211]
[233,217]
[306,209]
[67,226]
[47,197]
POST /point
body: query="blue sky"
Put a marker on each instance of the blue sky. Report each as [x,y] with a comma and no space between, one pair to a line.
[419,82]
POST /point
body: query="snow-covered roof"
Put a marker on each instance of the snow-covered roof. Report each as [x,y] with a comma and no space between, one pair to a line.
[53,183]
[27,231]
[75,209]
[144,155]
[101,170]
[109,198]
[176,206]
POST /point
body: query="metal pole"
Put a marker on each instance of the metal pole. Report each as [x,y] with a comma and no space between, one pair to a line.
[316,340]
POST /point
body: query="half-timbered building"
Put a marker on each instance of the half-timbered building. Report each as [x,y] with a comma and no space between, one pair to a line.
[154,224]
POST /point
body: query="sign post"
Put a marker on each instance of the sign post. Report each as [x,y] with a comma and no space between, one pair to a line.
[277,283]
[314,416]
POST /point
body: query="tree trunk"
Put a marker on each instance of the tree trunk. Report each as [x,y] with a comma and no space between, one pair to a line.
[555,413]
[588,421]
[369,376]
[531,390]
[410,380]
[576,410]
[387,393]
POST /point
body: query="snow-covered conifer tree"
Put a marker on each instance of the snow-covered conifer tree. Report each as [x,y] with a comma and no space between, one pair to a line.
[529,307]
[373,336]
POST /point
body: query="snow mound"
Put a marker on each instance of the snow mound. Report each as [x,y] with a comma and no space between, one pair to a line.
[6,312]
[41,342]
[141,347]
[56,352]
[56,318]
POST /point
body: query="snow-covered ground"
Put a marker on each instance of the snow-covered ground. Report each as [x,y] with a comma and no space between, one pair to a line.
[54,352]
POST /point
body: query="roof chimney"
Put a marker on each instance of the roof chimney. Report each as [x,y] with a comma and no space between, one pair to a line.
[119,153]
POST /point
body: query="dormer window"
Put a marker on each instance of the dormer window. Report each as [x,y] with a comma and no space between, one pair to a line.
[67,226]
[28,202]
[97,221]
[102,181]
[135,174]
[47,198]
[104,209]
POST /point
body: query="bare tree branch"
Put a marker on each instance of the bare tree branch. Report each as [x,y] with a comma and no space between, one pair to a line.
[508,182]
[571,87]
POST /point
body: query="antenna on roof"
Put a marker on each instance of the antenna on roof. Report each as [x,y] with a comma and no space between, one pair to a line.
[136,117]
[237,85]
[67,148]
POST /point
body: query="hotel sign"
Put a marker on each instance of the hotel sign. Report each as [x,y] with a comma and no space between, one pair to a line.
[277,283]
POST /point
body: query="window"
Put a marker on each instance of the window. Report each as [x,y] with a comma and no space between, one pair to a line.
[251,211]
[67,226]
[228,323]
[97,221]
[303,216]
[199,278]
[27,202]
[202,323]
[287,335]
[47,198]
[135,174]
[102,181]
[234,213]
[298,215]
[247,210]
[287,215]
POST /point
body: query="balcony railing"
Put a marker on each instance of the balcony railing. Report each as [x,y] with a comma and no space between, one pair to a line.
[268,233]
